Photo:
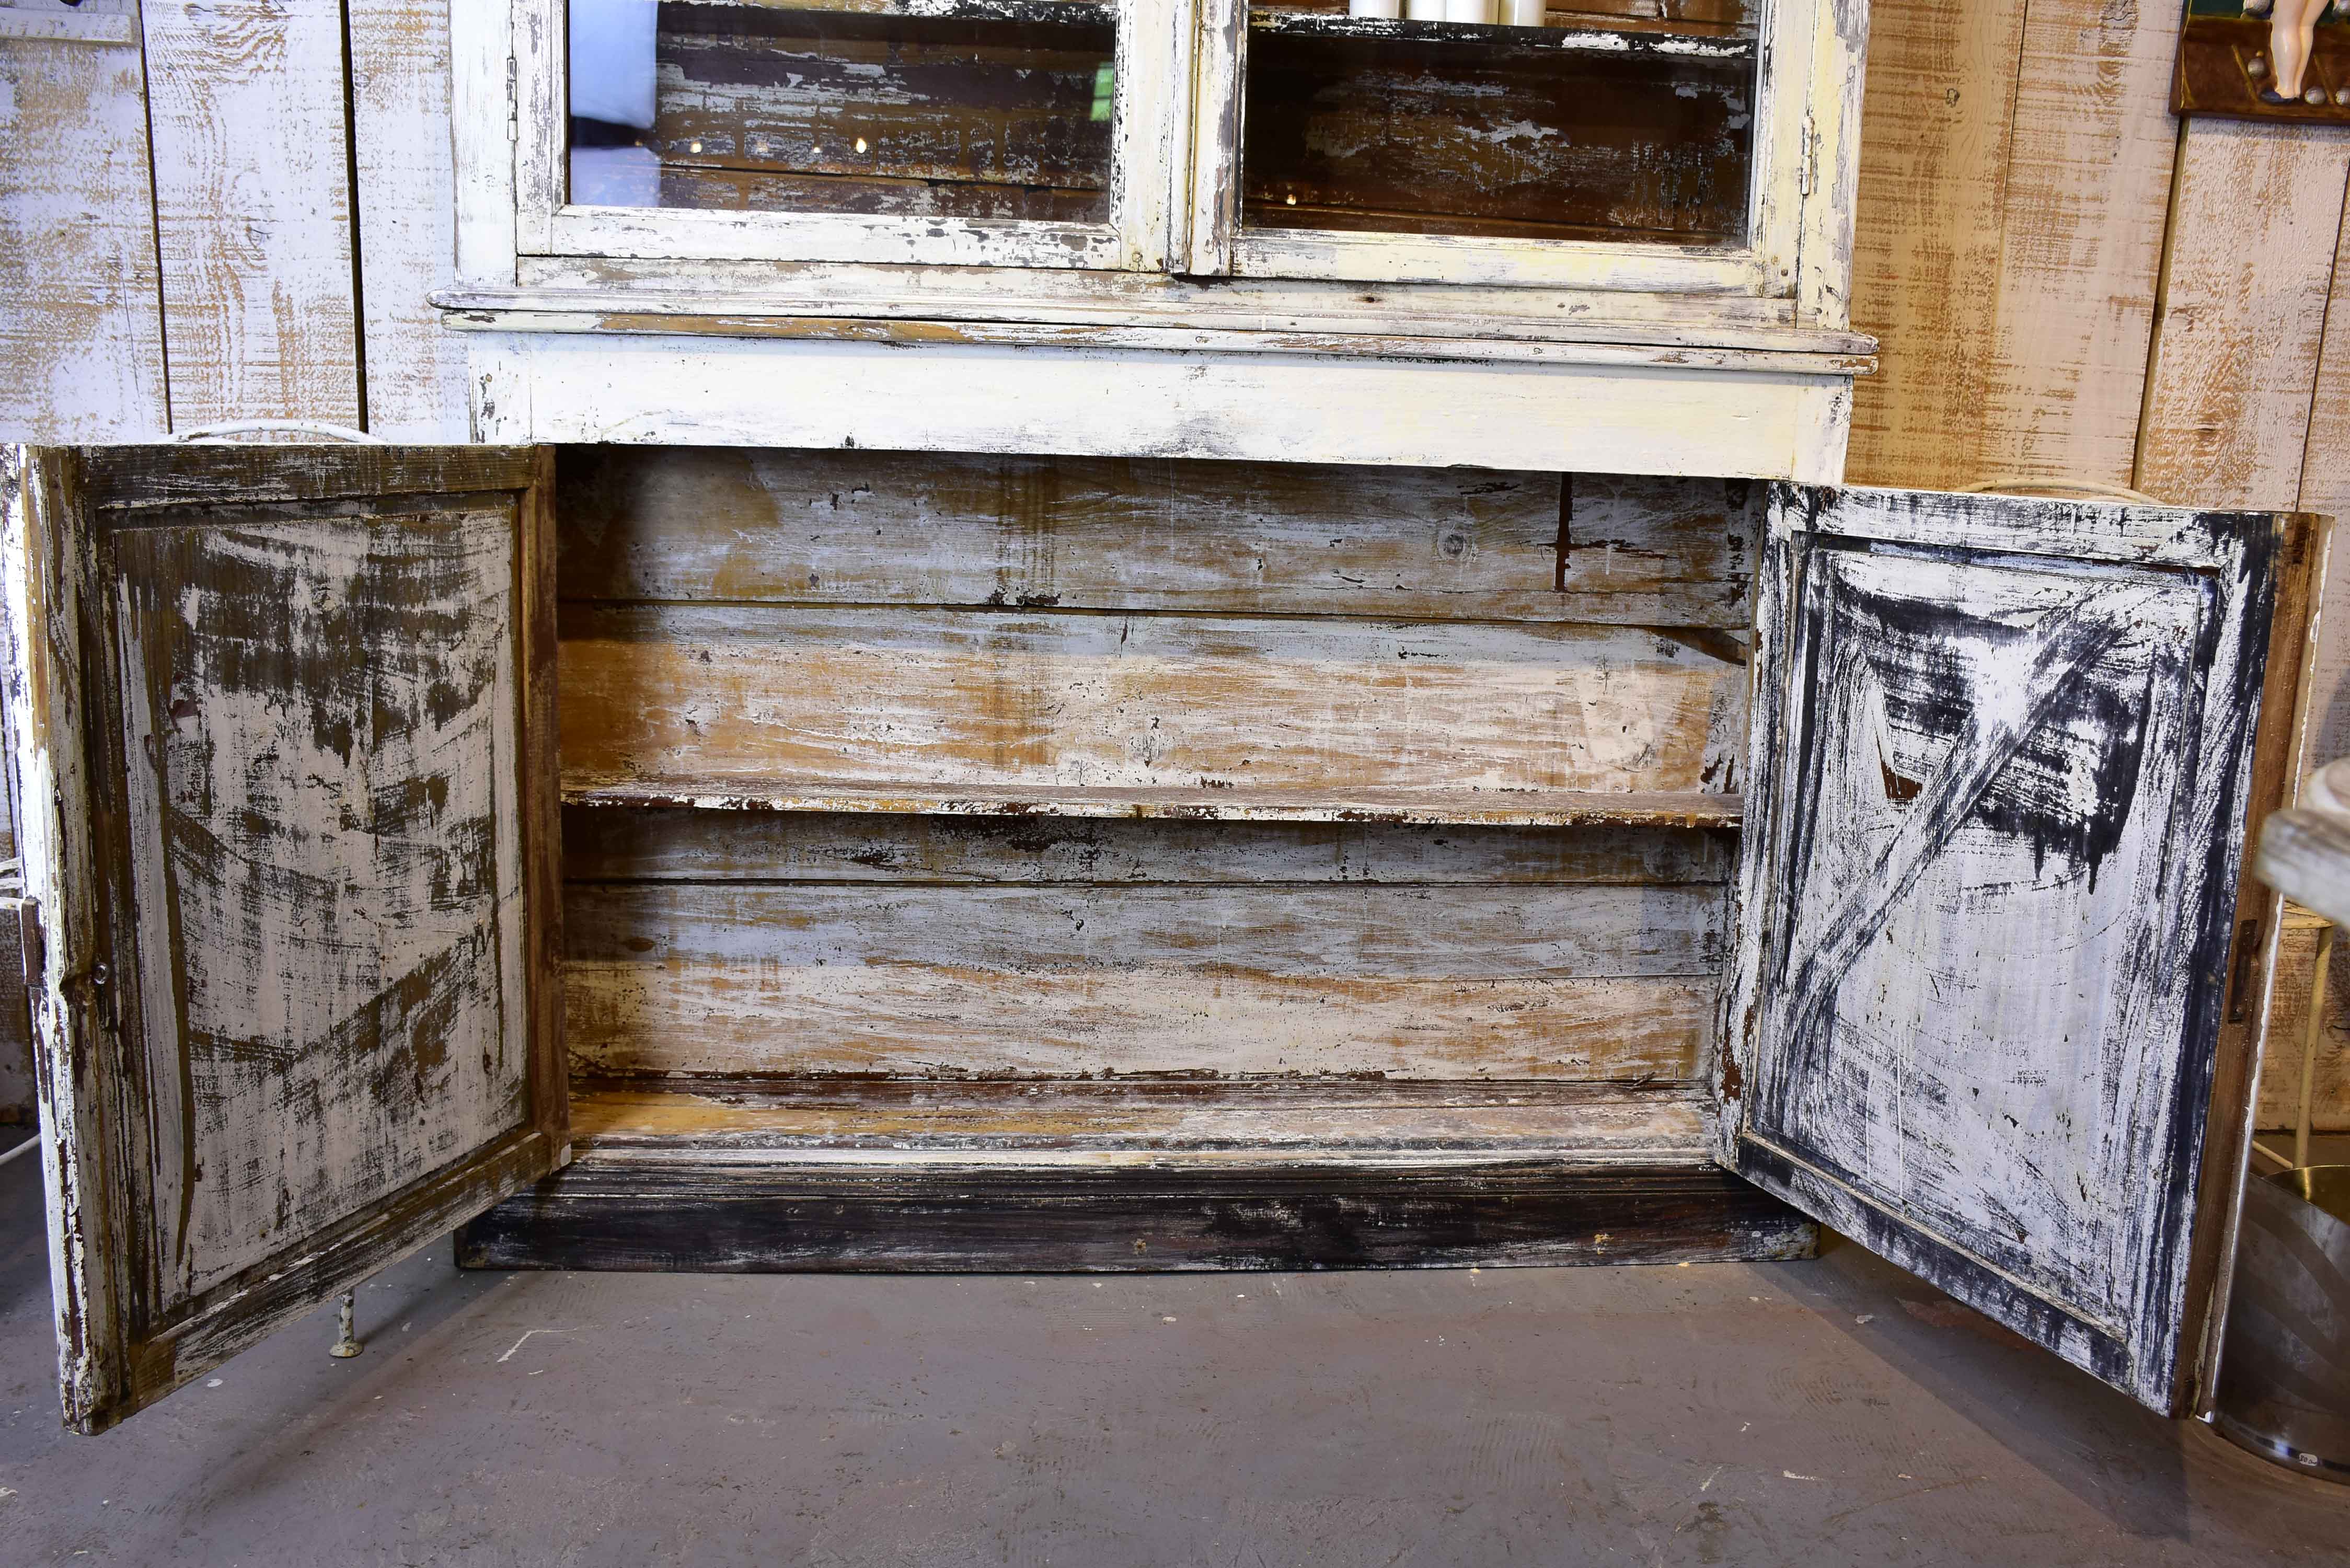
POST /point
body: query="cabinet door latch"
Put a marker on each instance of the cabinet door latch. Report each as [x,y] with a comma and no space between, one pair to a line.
[1806,160]
[513,103]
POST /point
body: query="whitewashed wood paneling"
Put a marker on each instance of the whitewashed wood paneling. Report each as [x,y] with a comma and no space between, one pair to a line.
[253,210]
[81,343]
[404,161]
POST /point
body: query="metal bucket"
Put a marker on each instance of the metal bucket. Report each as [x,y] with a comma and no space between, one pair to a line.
[2285,1367]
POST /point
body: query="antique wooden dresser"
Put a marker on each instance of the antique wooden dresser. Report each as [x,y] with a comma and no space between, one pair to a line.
[1137,635]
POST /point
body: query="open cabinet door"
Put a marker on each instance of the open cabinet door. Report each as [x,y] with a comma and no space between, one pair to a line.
[282,735]
[2002,754]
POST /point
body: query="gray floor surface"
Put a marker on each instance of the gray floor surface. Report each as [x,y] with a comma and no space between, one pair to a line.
[1816,1414]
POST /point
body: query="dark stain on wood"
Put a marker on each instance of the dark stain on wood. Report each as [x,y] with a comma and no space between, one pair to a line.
[1388,132]
[983,112]
[617,1211]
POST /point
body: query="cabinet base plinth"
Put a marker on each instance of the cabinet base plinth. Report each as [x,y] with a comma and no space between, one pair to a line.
[624,1212]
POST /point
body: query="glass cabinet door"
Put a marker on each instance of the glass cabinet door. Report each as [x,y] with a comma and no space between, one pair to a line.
[1499,142]
[885,130]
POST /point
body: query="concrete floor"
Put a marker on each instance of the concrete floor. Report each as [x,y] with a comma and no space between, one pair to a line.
[1816,1414]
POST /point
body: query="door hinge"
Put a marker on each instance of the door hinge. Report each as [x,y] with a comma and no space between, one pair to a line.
[513,103]
[1806,173]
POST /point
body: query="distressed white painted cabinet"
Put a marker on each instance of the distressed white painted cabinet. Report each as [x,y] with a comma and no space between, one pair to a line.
[1618,239]
[990,862]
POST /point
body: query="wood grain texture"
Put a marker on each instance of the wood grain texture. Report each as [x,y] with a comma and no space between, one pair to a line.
[325,867]
[1590,1126]
[2282,1056]
[687,846]
[962,698]
[1997,856]
[81,345]
[1932,201]
[937,99]
[2088,191]
[1421,981]
[253,209]
[1682,410]
[2254,231]
[2015,178]
[401,150]
[301,960]
[900,1177]
[813,527]
[611,1211]
[1207,801]
[1495,134]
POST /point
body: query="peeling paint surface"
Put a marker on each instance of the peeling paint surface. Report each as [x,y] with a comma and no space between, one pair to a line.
[319,720]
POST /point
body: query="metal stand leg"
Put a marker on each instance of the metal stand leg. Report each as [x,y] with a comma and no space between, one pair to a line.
[348,1346]
[2313,1035]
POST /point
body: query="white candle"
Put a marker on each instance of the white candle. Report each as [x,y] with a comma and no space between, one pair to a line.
[1424,10]
[1375,8]
[1524,13]
[1467,10]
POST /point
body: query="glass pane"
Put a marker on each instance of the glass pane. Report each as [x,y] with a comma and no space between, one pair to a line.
[965,108]
[1605,121]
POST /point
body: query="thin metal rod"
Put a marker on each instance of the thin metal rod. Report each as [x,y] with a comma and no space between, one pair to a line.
[27,1146]
[2313,1035]
[348,1346]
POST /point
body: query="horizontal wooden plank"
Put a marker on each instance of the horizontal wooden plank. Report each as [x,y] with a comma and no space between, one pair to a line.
[1308,930]
[607,844]
[621,1213]
[156,474]
[1232,980]
[854,527]
[1214,1123]
[1690,809]
[901,697]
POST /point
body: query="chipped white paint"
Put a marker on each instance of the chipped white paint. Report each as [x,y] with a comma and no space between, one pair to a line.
[1655,418]
[305,1044]
[81,345]
[253,209]
[1175,182]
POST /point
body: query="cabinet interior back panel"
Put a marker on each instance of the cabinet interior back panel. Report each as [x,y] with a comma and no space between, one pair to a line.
[867,620]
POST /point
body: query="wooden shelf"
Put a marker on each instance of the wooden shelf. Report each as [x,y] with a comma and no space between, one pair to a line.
[1583,1125]
[1499,809]
[1679,42]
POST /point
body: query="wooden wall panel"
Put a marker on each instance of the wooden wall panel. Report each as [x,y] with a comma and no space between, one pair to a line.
[685,845]
[2088,194]
[2280,1090]
[815,527]
[81,342]
[403,155]
[1238,958]
[743,694]
[2016,167]
[2254,225]
[1935,132]
[253,209]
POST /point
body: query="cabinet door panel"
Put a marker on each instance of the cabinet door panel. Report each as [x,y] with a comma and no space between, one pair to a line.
[288,769]
[2003,756]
